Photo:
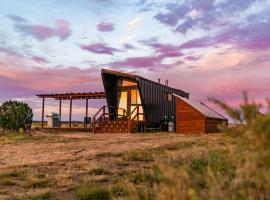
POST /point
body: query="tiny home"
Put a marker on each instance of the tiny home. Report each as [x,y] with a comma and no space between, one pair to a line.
[136,104]
[196,117]
[128,94]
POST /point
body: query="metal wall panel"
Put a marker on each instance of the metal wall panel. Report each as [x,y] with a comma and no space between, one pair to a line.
[155,104]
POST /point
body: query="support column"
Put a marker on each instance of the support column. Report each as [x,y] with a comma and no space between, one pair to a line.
[70,111]
[42,112]
[60,111]
[86,111]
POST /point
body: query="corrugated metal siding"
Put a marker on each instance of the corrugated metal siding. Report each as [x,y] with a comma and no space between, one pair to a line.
[154,102]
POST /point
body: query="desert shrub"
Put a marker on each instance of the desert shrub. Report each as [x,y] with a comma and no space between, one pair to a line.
[15,116]
[119,190]
[42,196]
[90,192]
[99,171]
[137,155]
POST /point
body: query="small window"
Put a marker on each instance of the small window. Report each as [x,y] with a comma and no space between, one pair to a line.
[169,97]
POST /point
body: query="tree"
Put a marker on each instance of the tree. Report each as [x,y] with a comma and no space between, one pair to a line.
[15,115]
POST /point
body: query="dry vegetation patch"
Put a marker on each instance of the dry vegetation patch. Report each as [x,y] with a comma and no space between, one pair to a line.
[84,166]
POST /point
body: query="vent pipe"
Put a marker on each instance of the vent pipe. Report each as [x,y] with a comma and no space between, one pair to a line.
[159,80]
[167,83]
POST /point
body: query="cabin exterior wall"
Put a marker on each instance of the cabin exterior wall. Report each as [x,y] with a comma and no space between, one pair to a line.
[155,103]
[188,119]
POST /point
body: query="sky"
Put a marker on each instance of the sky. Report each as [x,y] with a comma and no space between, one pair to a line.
[209,48]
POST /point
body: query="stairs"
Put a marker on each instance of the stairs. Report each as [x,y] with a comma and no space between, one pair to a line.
[104,122]
[112,127]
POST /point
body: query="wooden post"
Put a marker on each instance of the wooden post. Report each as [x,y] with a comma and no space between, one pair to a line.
[70,111]
[86,111]
[60,111]
[94,124]
[42,112]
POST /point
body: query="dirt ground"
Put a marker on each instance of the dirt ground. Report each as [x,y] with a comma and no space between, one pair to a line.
[52,148]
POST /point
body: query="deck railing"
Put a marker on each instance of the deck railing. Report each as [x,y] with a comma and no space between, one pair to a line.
[135,118]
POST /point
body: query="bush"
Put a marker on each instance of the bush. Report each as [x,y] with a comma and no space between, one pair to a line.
[88,192]
[15,116]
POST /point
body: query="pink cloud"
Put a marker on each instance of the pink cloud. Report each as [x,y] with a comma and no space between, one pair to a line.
[62,29]
[99,48]
[105,26]
[42,32]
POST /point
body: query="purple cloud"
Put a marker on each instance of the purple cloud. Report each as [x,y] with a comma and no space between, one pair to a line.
[39,59]
[99,48]
[16,18]
[207,13]
[241,37]
[41,32]
[197,43]
[175,13]
[192,58]
[128,46]
[105,26]
[152,62]
[166,50]
[185,26]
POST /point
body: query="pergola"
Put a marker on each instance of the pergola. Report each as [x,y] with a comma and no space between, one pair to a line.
[70,97]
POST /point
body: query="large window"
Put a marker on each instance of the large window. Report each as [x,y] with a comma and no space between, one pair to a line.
[126,83]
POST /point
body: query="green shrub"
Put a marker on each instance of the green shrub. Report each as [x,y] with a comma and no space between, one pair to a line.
[43,196]
[15,116]
[119,191]
[89,192]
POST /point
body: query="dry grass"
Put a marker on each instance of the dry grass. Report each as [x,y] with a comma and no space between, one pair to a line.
[66,165]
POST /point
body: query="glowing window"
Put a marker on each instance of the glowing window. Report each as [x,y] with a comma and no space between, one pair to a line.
[128,83]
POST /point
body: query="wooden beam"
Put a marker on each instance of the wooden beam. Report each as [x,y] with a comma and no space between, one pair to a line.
[60,111]
[42,112]
[70,112]
[86,111]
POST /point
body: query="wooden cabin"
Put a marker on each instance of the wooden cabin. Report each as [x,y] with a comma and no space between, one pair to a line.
[136,104]
[196,117]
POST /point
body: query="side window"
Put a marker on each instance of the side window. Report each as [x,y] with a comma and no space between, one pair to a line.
[168,96]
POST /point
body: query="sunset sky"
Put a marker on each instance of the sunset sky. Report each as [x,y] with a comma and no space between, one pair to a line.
[205,47]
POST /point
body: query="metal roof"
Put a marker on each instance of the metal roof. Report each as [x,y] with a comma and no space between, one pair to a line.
[137,77]
[202,108]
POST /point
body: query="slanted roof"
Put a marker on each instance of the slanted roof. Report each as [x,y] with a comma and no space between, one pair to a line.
[202,108]
[137,77]
[117,73]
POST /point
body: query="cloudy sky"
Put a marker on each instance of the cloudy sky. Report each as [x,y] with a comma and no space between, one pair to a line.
[206,47]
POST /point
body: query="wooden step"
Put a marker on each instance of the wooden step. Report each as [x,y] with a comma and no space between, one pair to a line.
[112,127]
